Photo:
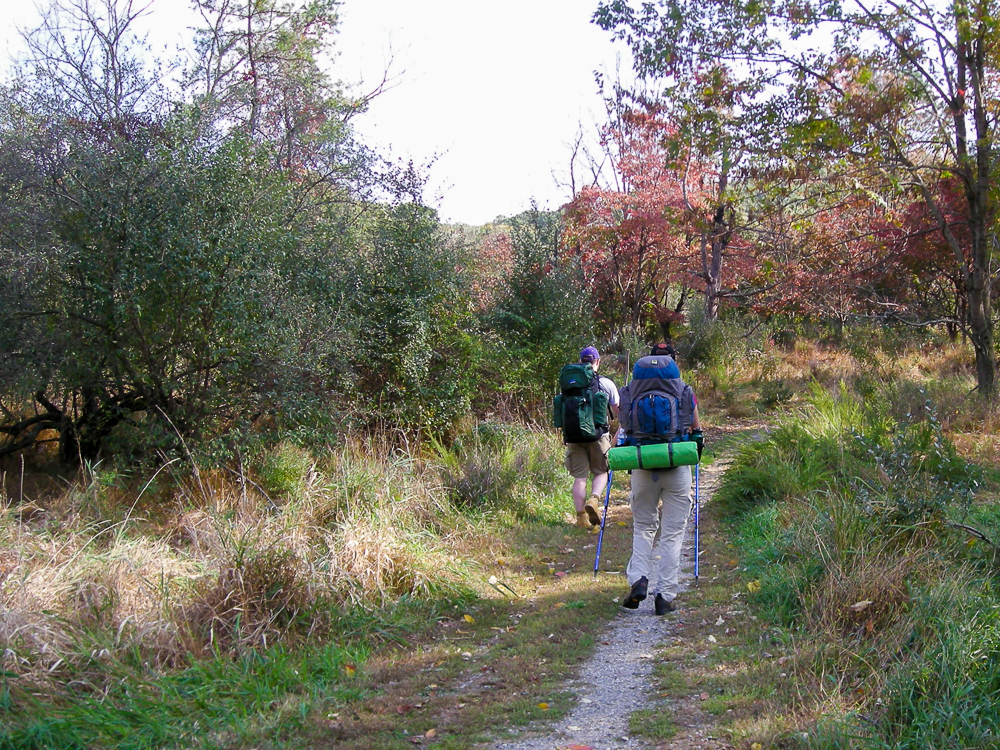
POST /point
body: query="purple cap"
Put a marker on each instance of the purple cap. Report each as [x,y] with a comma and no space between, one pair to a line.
[589,353]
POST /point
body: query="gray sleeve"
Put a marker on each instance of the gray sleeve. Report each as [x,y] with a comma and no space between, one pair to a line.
[624,408]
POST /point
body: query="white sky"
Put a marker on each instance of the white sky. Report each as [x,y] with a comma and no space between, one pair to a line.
[495,91]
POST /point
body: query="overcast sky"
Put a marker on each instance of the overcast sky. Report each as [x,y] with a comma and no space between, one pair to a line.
[495,91]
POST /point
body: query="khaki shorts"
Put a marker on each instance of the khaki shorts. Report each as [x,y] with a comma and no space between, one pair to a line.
[584,459]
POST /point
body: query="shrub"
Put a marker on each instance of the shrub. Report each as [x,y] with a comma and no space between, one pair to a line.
[498,469]
[774,393]
[285,471]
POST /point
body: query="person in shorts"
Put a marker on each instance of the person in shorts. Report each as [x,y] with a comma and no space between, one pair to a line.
[589,461]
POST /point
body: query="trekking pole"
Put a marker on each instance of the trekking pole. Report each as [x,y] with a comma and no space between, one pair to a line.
[604,520]
[696,514]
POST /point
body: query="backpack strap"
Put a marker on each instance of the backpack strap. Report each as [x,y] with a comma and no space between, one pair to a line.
[595,387]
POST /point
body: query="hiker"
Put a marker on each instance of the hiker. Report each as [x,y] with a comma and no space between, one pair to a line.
[587,446]
[658,407]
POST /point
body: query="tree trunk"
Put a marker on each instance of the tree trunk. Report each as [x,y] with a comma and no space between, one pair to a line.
[712,263]
[978,290]
[976,171]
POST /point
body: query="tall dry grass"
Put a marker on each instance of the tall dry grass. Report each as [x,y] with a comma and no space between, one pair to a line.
[202,563]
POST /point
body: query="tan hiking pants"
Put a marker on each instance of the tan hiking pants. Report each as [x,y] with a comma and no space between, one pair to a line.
[672,488]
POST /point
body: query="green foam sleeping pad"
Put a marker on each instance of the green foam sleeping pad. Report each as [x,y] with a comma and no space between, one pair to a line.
[660,456]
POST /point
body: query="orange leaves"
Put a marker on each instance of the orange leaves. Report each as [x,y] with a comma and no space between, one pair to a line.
[635,236]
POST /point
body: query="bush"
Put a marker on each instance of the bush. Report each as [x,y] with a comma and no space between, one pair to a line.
[841,517]
[774,393]
[499,469]
[284,472]
[542,316]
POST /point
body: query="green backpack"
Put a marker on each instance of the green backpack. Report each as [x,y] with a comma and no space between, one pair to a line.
[580,408]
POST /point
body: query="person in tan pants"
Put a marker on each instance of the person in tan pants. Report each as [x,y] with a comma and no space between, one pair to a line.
[661,498]
[669,492]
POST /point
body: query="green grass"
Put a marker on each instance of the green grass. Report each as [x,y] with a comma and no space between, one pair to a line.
[670,680]
[849,503]
[260,695]
[657,724]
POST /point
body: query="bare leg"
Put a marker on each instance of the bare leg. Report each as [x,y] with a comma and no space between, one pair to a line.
[579,494]
[599,484]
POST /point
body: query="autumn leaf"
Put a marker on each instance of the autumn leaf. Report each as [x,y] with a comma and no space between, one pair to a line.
[544,706]
[430,734]
[468,618]
[861,606]
[350,670]
[753,587]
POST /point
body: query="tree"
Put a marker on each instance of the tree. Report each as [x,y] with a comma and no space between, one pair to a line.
[165,275]
[633,236]
[542,314]
[836,263]
[414,354]
[900,92]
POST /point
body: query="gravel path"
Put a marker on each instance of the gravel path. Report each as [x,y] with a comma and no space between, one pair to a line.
[613,683]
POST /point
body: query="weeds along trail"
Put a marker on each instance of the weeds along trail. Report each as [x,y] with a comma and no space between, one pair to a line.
[119,593]
[352,608]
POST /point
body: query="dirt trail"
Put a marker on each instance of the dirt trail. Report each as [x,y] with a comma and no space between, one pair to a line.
[617,680]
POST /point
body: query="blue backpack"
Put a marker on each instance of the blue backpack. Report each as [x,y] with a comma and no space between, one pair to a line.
[657,406]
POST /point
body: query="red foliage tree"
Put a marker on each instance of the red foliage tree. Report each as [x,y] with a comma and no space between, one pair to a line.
[635,239]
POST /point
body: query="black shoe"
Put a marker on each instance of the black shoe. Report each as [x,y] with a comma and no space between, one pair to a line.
[662,606]
[637,594]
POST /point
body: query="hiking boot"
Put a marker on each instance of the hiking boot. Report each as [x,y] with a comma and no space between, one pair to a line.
[582,522]
[662,606]
[593,509]
[637,594]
